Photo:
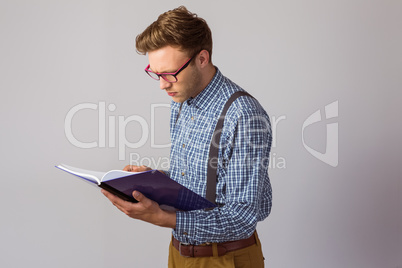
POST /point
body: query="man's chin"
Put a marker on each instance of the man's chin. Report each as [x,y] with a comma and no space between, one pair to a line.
[178,99]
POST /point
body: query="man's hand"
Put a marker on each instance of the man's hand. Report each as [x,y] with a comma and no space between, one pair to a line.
[145,210]
[133,168]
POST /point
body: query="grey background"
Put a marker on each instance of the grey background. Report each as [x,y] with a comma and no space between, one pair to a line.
[294,56]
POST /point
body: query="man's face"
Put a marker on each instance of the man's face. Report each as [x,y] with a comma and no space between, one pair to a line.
[169,60]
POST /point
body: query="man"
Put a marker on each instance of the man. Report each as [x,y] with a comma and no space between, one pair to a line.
[179,48]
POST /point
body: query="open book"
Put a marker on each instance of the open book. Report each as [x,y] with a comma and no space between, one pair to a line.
[153,184]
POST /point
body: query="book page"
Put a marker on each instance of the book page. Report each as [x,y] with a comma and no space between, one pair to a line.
[114,174]
[89,175]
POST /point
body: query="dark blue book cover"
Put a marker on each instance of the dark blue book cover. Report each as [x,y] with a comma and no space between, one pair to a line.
[154,184]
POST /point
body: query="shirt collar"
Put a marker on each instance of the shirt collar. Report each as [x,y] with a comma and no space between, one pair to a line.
[208,96]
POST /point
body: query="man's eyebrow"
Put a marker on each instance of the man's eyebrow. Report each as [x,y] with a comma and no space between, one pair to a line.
[170,72]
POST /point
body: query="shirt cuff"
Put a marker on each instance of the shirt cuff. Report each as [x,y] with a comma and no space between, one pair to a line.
[185,226]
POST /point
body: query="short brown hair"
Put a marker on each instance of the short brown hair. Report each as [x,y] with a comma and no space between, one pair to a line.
[177,28]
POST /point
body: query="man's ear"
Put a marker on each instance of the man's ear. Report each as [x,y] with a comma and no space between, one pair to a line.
[203,58]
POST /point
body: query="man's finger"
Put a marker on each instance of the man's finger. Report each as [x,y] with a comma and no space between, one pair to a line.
[127,168]
[142,198]
[114,199]
[133,168]
[138,196]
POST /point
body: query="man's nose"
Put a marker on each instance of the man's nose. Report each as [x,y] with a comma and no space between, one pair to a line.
[163,84]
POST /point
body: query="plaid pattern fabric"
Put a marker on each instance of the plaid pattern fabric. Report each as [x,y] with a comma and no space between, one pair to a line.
[243,192]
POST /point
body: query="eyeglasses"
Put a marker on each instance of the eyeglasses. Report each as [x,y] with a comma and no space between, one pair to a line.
[169,77]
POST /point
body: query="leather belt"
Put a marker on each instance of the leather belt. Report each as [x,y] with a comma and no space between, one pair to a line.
[205,250]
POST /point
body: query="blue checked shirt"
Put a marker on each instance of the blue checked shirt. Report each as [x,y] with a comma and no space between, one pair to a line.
[243,191]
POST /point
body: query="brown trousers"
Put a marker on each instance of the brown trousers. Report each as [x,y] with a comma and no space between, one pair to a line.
[249,257]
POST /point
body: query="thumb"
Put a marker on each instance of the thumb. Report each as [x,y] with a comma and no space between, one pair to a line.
[138,196]
[146,202]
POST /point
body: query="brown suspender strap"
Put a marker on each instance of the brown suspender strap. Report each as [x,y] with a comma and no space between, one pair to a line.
[212,174]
